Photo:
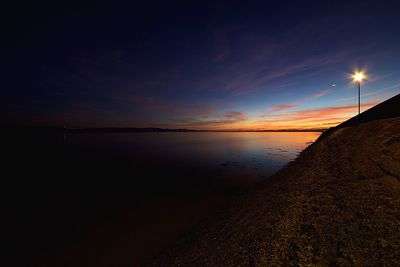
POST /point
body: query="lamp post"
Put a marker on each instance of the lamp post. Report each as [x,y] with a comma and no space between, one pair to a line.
[358,77]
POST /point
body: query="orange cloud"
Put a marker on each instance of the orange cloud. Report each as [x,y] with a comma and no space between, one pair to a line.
[317,118]
[207,117]
[311,118]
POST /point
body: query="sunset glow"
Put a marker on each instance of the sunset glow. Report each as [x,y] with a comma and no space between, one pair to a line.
[206,67]
[130,127]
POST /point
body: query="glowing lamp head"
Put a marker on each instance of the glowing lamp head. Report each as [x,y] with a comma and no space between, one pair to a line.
[358,77]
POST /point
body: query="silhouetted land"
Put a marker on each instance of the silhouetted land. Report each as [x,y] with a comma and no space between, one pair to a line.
[337,204]
[30,130]
[388,109]
[128,130]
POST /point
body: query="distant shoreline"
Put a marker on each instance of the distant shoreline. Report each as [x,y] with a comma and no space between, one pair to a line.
[130,130]
[29,129]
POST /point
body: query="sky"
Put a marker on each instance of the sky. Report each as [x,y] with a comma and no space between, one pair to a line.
[220,65]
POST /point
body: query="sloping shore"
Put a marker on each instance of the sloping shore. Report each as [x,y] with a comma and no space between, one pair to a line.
[338,204]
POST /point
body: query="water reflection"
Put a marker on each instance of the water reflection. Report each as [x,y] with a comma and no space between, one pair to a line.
[236,156]
[130,195]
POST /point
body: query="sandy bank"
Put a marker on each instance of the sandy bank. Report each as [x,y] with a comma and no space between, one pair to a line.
[338,204]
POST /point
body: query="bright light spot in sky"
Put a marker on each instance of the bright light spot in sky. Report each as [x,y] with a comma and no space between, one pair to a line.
[358,76]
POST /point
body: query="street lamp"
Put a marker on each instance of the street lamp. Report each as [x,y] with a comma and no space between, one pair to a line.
[358,77]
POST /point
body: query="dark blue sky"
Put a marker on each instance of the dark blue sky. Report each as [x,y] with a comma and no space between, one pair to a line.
[197,64]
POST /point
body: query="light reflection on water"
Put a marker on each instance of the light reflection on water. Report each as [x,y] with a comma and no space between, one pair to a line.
[249,155]
[175,180]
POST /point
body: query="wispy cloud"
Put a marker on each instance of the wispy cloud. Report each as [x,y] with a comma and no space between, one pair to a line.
[227,120]
[368,94]
[327,112]
[312,118]
[245,81]
[222,46]
[282,107]
[277,108]
[151,104]
[320,94]
[256,62]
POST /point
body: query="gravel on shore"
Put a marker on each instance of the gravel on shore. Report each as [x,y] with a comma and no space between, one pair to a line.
[337,204]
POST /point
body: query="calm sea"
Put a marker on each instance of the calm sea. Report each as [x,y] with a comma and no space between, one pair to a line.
[127,196]
[244,157]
